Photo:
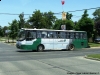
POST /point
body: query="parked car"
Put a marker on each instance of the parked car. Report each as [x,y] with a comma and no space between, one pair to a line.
[97,40]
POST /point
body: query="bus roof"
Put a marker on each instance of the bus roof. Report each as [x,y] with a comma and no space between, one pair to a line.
[51,30]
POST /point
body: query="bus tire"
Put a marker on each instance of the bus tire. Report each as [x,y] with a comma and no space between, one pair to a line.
[40,48]
[71,47]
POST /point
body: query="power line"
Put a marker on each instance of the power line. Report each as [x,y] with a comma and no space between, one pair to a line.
[13,14]
[79,10]
[84,9]
[53,13]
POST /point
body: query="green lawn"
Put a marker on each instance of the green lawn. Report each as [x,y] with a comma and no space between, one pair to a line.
[94,56]
[97,56]
[94,44]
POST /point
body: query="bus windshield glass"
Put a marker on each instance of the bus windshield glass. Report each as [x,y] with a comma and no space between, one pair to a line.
[21,35]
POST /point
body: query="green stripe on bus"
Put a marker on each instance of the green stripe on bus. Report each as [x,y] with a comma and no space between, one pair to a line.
[33,46]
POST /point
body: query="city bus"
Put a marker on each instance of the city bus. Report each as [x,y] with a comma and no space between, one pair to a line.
[48,39]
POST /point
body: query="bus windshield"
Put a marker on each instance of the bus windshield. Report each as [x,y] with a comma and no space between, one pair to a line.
[21,35]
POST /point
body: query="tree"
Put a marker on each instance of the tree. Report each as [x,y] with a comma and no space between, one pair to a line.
[69,24]
[4,29]
[69,16]
[42,20]
[35,19]
[27,25]
[1,31]
[49,19]
[14,29]
[96,19]
[21,21]
[97,27]
[57,24]
[86,24]
[96,15]
[4,34]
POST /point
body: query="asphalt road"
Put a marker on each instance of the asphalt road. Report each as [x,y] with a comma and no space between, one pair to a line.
[17,62]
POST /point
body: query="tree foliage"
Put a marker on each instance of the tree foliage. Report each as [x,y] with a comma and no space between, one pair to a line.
[4,29]
[21,21]
[49,19]
[57,24]
[96,15]
[97,27]
[14,29]
[69,24]
[35,19]
[69,16]
[1,31]
[96,18]
[86,24]
[42,20]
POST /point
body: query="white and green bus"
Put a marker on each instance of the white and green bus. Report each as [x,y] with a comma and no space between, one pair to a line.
[46,39]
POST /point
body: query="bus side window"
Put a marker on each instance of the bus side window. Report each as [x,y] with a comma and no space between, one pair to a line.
[71,35]
[33,34]
[38,34]
[28,34]
[55,34]
[77,35]
[81,35]
[84,36]
[44,34]
[67,35]
[62,35]
[50,34]
[58,35]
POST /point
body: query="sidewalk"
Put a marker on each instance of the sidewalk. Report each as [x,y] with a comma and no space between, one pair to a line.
[94,47]
[91,48]
[10,42]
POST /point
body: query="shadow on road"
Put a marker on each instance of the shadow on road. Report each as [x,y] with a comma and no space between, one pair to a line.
[42,51]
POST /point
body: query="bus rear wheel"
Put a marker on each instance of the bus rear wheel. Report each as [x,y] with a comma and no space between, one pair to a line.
[71,47]
[40,48]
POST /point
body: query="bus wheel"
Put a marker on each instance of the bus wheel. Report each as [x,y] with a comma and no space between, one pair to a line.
[71,47]
[40,48]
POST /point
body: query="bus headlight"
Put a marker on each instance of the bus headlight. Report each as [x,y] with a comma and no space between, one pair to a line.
[18,45]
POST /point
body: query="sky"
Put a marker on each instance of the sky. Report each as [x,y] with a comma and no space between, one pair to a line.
[29,6]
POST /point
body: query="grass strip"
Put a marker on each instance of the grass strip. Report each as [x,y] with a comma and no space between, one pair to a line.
[94,44]
[93,56]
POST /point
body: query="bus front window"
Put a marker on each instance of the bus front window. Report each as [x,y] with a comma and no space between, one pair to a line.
[21,35]
[30,35]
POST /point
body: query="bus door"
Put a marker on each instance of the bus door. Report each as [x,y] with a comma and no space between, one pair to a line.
[30,38]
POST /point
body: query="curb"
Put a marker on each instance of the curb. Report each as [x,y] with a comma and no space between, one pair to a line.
[94,47]
[91,48]
[91,58]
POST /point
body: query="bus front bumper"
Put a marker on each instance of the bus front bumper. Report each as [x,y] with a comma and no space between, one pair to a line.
[18,45]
